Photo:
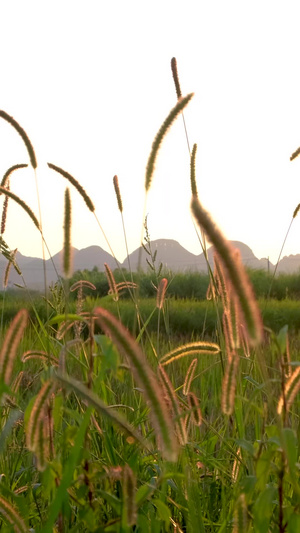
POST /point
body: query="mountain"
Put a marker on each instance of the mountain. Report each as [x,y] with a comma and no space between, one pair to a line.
[169,252]
[33,269]
[289,264]
[174,257]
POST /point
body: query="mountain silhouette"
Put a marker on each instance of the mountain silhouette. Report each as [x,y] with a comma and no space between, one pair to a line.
[176,258]
[169,252]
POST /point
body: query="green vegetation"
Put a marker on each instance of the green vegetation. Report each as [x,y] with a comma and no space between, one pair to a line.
[153,403]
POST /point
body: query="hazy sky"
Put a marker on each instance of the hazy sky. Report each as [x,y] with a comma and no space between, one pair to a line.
[91,83]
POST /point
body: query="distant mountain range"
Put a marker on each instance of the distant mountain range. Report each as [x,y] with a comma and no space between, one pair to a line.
[169,252]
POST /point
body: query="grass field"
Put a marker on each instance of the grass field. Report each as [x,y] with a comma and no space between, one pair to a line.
[163,413]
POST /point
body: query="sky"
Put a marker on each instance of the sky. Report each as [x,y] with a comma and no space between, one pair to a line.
[91,84]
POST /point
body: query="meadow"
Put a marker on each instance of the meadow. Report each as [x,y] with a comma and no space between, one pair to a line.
[149,403]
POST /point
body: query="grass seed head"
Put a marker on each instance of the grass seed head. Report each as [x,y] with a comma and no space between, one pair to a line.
[295,154]
[193,171]
[229,384]
[161,293]
[67,249]
[144,377]
[176,77]
[174,113]
[75,184]
[118,193]
[234,271]
[23,135]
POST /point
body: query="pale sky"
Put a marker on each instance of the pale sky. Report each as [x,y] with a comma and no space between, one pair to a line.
[90,82]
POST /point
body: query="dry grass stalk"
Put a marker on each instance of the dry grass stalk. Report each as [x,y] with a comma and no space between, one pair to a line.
[67,249]
[10,344]
[199,347]
[291,390]
[176,77]
[12,516]
[161,293]
[189,377]
[144,377]
[75,184]
[24,136]
[172,401]
[118,193]
[194,406]
[229,384]
[174,113]
[234,272]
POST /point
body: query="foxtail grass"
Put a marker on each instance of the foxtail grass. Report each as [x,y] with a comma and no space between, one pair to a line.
[67,252]
[199,347]
[40,356]
[75,184]
[8,268]
[161,293]
[181,104]
[94,401]
[129,486]
[172,401]
[179,94]
[118,193]
[8,173]
[193,171]
[241,523]
[295,154]
[235,272]
[10,345]
[291,389]
[194,407]
[144,377]
[4,210]
[24,206]
[12,516]
[176,77]
[189,377]
[23,135]
[111,282]
[229,384]
[37,415]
